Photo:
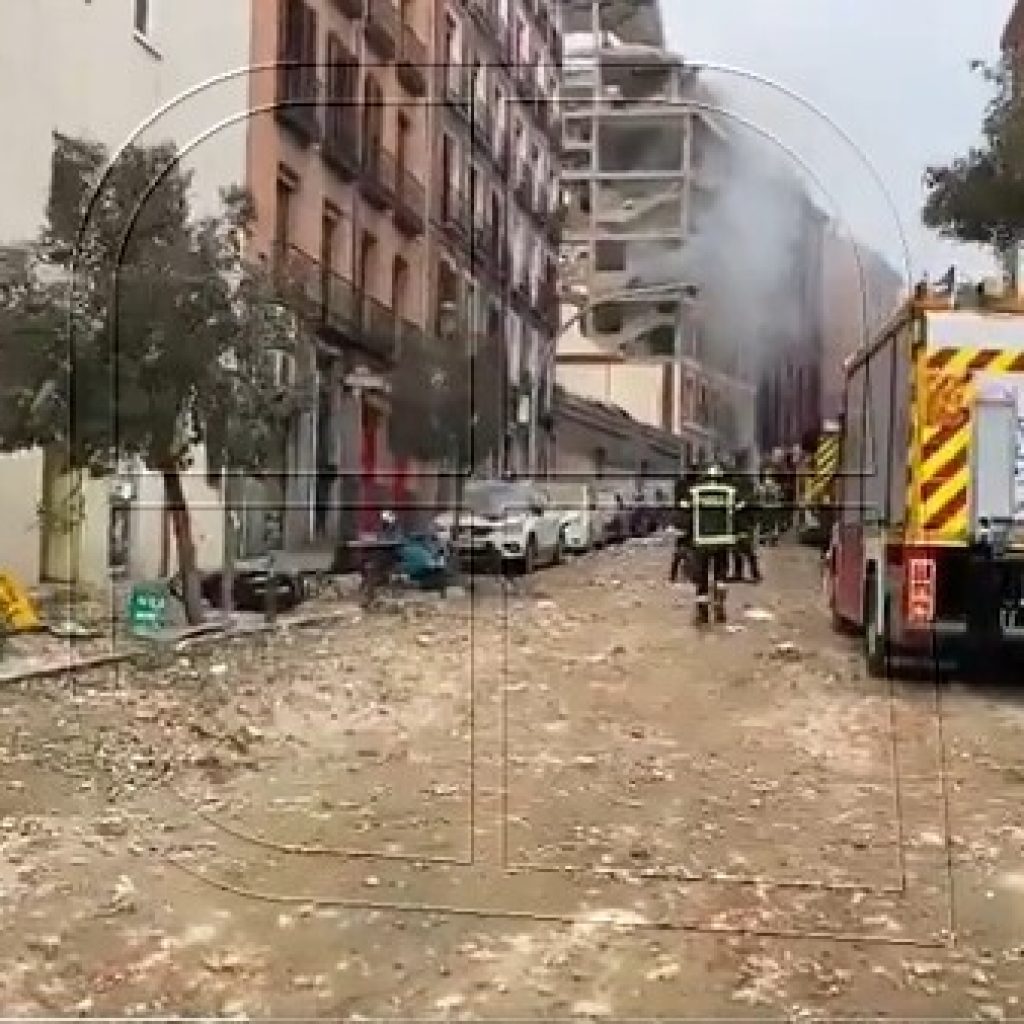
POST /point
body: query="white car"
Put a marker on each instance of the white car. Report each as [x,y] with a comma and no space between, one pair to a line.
[509,522]
[582,520]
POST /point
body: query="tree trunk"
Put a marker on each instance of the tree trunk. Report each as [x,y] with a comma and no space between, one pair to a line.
[181,523]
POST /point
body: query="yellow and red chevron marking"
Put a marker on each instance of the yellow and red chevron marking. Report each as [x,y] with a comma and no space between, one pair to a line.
[826,465]
[943,462]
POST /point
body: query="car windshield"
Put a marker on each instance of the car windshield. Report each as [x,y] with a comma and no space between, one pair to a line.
[493,499]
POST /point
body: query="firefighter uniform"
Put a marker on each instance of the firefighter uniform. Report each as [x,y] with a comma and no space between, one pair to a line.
[711,505]
[745,551]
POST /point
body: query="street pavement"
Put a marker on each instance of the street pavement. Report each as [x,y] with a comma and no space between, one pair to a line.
[557,802]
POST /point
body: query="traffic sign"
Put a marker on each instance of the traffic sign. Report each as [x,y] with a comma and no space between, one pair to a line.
[147,608]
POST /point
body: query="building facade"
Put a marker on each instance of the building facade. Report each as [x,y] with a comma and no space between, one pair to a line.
[638,159]
[112,73]
[339,171]
[790,402]
[494,200]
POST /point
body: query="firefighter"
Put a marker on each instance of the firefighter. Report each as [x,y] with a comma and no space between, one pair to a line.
[680,517]
[771,500]
[747,514]
[710,531]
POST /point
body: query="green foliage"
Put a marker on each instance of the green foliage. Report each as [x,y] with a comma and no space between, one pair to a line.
[448,399]
[138,330]
[980,197]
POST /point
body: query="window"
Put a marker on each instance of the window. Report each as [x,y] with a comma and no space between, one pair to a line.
[283,213]
[342,90]
[328,239]
[403,130]
[447,170]
[373,117]
[143,17]
[399,285]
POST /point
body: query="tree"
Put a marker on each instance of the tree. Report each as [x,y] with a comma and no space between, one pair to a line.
[449,400]
[140,332]
[980,197]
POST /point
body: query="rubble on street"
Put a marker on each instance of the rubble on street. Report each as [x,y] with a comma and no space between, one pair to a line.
[562,801]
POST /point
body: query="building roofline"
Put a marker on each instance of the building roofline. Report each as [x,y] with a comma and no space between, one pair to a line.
[1014,26]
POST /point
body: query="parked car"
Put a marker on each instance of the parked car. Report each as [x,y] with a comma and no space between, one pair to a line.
[582,520]
[509,523]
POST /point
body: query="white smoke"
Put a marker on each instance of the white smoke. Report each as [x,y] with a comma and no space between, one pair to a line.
[748,255]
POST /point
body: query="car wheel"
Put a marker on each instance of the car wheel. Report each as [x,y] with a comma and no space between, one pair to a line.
[530,555]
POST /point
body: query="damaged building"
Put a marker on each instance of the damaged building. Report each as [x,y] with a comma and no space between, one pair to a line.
[641,157]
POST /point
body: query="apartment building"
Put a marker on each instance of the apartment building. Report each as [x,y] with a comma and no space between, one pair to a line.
[338,168]
[494,200]
[111,72]
[791,366]
[639,169]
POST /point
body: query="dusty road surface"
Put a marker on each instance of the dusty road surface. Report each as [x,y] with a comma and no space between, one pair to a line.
[560,803]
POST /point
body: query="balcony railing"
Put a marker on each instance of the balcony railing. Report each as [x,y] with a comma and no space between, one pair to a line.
[340,144]
[379,329]
[297,96]
[487,246]
[383,27]
[412,62]
[322,298]
[410,203]
[455,215]
[377,181]
[453,86]
[524,189]
[547,305]
[556,225]
[483,125]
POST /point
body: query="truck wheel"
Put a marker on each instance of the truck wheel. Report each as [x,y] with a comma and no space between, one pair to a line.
[876,634]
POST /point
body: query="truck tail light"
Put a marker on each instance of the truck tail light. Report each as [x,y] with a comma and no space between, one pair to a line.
[920,590]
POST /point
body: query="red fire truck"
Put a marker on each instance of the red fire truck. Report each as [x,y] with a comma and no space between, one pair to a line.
[928,550]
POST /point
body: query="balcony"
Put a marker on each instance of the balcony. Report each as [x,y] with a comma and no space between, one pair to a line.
[453,85]
[410,204]
[340,144]
[526,85]
[522,301]
[379,329]
[487,247]
[383,27]
[377,180]
[547,306]
[322,298]
[483,126]
[503,156]
[524,190]
[296,98]
[455,216]
[350,8]
[412,62]
[555,225]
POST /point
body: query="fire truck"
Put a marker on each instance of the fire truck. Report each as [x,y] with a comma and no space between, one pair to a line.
[816,495]
[927,553]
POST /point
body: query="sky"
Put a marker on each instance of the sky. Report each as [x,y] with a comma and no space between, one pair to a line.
[894,74]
